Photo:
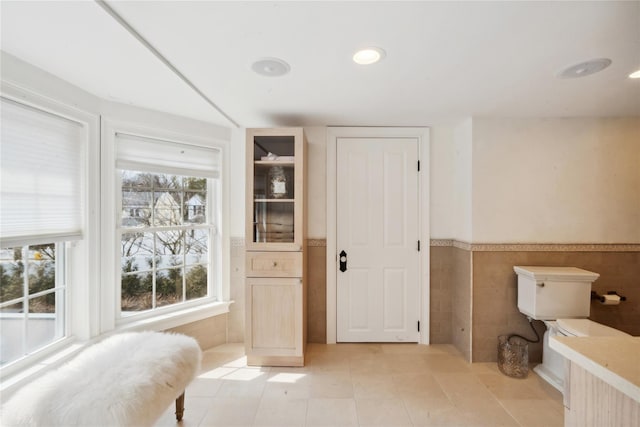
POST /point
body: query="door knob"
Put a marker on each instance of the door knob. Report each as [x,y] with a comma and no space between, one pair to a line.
[343,261]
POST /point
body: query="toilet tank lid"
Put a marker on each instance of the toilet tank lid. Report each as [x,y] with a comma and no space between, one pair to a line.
[556,273]
[587,328]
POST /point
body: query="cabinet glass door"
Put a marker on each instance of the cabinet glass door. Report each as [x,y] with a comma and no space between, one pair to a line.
[274,189]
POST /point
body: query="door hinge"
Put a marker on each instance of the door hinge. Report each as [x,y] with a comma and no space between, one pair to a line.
[418,326]
[418,165]
[418,245]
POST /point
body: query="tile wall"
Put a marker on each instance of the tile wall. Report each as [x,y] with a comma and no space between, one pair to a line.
[317,291]
[461,301]
[495,309]
[441,309]
[473,291]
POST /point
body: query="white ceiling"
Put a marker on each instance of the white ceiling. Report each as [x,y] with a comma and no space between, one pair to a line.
[445,60]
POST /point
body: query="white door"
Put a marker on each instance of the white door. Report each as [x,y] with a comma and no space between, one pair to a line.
[378,294]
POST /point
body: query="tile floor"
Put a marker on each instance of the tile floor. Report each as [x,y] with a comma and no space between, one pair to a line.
[365,385]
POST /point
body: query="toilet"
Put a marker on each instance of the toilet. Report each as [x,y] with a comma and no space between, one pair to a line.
[561,297]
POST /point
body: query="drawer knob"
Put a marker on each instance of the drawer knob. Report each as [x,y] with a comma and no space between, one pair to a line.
[275,264]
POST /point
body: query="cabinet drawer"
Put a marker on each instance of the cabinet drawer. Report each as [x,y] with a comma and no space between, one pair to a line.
[274,264]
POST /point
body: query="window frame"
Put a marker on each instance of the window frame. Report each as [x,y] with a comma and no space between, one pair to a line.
[176,314]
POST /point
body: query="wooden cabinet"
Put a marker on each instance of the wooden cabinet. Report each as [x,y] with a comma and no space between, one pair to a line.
[276,258]
[590,401]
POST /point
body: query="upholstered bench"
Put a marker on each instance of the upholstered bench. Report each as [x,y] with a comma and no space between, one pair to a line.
[127,379]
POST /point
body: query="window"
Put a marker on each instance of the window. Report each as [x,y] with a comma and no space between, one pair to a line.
[42,210]
[168,216]
[67,187]
[165,242]
[33,296]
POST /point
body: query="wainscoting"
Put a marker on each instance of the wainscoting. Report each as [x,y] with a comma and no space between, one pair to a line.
[483,274]
[473,291]
[495,298]
[450,306]
[317,291]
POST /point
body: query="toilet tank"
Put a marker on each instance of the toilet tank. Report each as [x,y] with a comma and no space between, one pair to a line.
[548,293]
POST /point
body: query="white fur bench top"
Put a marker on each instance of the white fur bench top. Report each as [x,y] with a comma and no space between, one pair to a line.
[128,379]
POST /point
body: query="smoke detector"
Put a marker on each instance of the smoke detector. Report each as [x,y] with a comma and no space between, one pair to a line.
[586,68]
[271,67]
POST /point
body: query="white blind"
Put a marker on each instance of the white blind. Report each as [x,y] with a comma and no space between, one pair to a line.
[159,156]
[41,184]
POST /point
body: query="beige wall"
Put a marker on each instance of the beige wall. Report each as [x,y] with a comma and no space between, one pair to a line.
[208,332]
[460,210]
[582,173]
[316,182]
[572,180]
[237,184]
[441,180]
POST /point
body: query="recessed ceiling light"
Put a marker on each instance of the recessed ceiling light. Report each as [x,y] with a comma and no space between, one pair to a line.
[368,56]
[635,75]
[585,68]
[271,67]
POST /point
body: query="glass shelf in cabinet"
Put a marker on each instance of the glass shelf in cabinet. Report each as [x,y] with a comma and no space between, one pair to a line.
[269,163]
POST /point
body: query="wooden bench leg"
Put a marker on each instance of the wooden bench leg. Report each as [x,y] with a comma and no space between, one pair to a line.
[180,407]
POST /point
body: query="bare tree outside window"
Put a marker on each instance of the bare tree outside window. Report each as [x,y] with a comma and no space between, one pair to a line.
[165,235]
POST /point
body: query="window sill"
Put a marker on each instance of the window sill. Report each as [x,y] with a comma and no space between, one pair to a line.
[24,371]
[176,318]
